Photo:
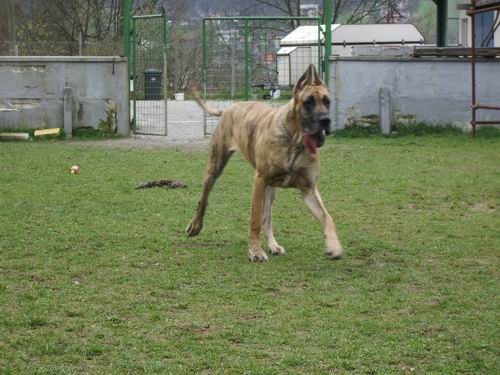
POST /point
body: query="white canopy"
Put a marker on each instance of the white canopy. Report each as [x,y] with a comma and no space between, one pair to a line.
[377,33]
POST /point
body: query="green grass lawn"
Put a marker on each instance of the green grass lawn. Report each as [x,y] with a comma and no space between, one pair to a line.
[97,277]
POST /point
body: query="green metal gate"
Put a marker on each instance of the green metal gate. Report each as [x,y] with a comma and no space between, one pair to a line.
[148,74]
[256,58]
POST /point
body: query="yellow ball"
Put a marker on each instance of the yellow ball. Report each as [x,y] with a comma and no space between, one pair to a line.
[75,169]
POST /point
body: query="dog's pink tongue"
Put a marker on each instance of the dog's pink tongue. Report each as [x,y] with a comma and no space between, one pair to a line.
[310,143]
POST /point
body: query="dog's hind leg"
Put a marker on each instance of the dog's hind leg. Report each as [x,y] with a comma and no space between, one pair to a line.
[313,201]
[267,221]
[255,252]
[218,156]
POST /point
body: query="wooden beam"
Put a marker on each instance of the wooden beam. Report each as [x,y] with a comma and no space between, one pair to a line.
[486,3]
[455,52]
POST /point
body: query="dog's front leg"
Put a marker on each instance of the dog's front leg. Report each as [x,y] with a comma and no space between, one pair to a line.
[312,199]
[255,252]
[267,221]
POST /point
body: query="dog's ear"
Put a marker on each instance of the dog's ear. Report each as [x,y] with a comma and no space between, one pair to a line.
[195,88]
[194,85]
[310,77]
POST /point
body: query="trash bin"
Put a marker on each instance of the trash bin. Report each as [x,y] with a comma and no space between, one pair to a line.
[152,84]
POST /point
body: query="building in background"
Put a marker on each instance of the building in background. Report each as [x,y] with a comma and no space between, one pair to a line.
[309,10]
[300,47]
[485,22]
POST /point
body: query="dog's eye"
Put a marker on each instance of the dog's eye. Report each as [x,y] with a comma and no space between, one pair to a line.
[309,102]
[326,101]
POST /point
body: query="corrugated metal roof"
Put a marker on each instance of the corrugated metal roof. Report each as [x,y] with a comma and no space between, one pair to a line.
[352,34]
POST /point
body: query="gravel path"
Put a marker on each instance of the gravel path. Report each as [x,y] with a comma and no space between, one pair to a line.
[185,127]
[145,142]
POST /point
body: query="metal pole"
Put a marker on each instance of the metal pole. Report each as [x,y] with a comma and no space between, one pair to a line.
[204,70]
[246,59]
[233,67]
[165,83]
[473,71]
[442,20]
[327,9]
[318,46]
[205,57]
[127,6]
[134,118]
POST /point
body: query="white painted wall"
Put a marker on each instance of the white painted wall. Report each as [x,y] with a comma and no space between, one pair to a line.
[435,90]
[31,90]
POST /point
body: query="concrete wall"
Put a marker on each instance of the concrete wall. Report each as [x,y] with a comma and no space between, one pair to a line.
[434,90]
[32,92]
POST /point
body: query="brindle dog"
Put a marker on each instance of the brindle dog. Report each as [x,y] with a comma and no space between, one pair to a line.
[281,144]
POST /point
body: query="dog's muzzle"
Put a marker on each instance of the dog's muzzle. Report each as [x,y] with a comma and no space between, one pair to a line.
[316,138]
[318,125]
[324,124]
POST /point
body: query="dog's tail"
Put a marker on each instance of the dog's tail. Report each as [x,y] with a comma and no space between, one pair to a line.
[196,93]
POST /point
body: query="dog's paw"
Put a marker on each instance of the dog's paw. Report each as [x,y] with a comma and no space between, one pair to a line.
[276,249]
[257,255]
[334,256]
[194,228]
[334,249]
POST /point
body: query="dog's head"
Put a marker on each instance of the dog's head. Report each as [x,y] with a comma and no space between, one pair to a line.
[312,105]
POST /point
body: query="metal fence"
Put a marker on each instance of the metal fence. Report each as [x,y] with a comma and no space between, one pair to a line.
[248,58]
[149,74]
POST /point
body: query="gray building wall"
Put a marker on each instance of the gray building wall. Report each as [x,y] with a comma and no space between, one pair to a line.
[433,90]
[32,92]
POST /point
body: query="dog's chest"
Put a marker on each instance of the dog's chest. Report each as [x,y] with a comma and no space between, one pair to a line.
[290,171]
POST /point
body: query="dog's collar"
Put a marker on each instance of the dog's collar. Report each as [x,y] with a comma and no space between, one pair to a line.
[299,147]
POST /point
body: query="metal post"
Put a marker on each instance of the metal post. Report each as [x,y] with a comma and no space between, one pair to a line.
[165,83]
[318,46]
[134,118]
[327,9]
[233,67]
[473,70]
[127,7]
[204,69]
[246,59]
[442,20]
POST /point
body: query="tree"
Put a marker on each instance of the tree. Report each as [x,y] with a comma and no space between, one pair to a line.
[288,7]
[176,10]
[58,26]
[360,11]
[8,27]
[344,11]
[425,20]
